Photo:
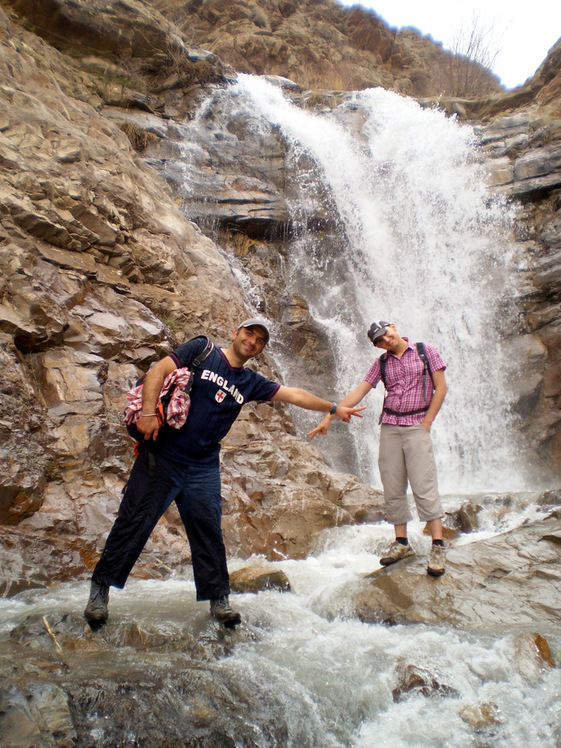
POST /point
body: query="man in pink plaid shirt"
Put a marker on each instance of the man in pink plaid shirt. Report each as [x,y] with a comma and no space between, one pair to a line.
[406,455]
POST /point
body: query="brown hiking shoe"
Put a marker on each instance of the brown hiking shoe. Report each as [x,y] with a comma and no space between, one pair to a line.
[220,610]
[437,561]
[396,552]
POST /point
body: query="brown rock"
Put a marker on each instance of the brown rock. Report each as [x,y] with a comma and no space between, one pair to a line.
[467,517]
[412,679]
[482,715]
[320,45]
[259,577]
[532,654]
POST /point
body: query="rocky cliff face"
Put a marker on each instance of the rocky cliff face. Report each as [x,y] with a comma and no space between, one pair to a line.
[102,274]
[521,136]
[323,45]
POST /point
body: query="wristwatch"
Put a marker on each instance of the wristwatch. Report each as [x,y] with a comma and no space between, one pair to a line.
[333,409]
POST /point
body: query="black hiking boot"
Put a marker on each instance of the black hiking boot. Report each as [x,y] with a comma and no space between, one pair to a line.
[96,612]
[220,610]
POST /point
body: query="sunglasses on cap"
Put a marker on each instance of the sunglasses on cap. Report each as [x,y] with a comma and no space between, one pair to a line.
[377,330]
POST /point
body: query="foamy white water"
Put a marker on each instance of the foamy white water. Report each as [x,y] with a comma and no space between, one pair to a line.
[333,675]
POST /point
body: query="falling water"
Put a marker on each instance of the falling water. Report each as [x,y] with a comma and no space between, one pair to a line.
[419,241]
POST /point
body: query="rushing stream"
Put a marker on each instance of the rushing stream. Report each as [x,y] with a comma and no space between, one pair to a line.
[323,677]
[419,241]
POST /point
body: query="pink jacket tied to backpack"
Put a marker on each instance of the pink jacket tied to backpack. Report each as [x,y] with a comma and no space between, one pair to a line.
[177,409]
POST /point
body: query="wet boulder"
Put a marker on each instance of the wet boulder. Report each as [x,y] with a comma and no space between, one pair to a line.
[412,679]
[258,577]
[502,584]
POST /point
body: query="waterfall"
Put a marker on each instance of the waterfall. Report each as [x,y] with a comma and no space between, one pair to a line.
[419,241]
[391,218]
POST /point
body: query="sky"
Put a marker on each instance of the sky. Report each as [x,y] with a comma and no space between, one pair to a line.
[522,32]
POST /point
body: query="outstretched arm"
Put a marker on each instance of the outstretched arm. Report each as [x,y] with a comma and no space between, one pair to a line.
[304,399]
[350,400]
[148,423]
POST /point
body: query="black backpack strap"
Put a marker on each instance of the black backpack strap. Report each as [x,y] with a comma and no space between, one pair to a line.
[204,354]
[427,370]
[423,356]
[197,361]
[383,362]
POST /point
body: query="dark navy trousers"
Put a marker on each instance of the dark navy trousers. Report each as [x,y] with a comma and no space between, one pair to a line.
[153,484]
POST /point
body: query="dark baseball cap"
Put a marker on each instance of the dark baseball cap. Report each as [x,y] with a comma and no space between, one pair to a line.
[257,323]
[377,329]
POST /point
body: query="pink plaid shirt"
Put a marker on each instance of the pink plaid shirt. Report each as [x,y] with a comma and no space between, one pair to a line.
[404,378]
[178,406]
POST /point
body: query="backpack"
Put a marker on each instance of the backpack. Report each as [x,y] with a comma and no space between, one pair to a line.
[163,402]
[420,347]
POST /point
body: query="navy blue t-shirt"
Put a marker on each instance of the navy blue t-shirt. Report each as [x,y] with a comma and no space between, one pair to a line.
[219,391]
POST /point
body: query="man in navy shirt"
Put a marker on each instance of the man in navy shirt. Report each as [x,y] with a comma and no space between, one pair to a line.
[183,466]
